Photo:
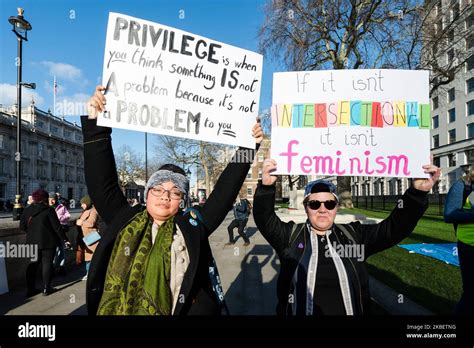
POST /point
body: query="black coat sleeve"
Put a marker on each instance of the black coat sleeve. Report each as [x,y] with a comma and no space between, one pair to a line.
[275,231]
[227,188]
[100,170]
[24,220]
[397,226]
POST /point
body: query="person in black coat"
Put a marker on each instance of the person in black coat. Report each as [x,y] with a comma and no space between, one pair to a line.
[43,229]
[127,276]
[323,268]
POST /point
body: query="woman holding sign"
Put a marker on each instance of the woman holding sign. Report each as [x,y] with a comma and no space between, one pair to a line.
[323,268]
[153,260]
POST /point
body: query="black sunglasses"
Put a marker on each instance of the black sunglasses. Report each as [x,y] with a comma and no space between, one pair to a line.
[314,205]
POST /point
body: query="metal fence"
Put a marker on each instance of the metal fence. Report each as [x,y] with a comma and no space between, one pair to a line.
[436,203]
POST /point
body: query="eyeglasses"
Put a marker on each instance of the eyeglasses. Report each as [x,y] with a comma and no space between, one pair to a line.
[315,205]
[160,191]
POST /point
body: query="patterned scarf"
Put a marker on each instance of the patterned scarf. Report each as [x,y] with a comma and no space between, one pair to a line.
[138,274]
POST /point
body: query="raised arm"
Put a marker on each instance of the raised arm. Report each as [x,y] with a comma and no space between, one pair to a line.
[403,219]
[99,162]
[229,183]
[453,211]
[397,226]
[275,231]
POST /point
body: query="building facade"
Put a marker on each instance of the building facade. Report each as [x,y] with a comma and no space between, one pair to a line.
[452,134]
[452,105]
[255,173]
[52,154]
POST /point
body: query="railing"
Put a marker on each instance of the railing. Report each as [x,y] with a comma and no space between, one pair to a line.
[436,202]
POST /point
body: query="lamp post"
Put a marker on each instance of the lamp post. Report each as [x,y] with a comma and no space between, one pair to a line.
[20,28]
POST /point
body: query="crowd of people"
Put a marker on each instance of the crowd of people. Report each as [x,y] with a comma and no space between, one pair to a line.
[46,221]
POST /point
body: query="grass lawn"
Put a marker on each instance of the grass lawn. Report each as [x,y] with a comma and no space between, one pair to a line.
[429,282]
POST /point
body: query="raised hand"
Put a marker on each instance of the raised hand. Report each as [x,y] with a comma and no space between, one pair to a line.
[426,184]
[269,166]
[96,103]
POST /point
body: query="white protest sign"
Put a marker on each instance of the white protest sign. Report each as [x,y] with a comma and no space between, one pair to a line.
[351,122]
[167,81]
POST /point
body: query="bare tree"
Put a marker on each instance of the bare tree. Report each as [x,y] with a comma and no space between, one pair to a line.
[354,34]
[130,166]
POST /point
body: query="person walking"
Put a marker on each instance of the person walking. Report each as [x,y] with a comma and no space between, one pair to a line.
[241,216]
[87,226]
[63,216]
[43,229]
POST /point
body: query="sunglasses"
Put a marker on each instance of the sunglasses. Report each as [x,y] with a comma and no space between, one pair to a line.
[315,205]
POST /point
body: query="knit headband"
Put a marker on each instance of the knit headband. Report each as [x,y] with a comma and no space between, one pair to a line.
[163,175]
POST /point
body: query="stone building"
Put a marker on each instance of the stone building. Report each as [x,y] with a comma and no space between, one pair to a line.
[52,154]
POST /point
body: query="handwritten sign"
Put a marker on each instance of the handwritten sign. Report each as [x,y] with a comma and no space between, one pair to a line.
[351,122]
[167,81]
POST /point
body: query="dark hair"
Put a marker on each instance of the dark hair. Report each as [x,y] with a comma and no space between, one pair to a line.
[172,168]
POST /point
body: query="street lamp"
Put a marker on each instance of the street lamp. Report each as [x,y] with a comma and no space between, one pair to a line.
[20,28]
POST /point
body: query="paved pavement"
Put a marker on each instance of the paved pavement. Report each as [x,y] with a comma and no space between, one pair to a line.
[248,276]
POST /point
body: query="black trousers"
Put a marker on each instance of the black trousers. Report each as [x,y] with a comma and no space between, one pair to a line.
[465,305]
[241,225]
[45,258]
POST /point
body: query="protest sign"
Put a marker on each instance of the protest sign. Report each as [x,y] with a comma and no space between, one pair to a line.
[351,123]
[167,81]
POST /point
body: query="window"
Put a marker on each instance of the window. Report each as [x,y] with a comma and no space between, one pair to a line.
[452,136]
[470,130]
[435,141]
[439,26]
[41,150]
[437,161]
[470,156]
[470,21]
[3,189]
[450,36]
[55,129]
[249,191]
[454,10]
[470,63]
[451,95]
[450,56]
[2,144]
[470,107]
[260,157]
[469,86]
[451,115]
[25,168]
[40,124]
[470,42]
[435,122]
[259,173]
[249,174]
[435,103]
[452,160]
[2,165]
